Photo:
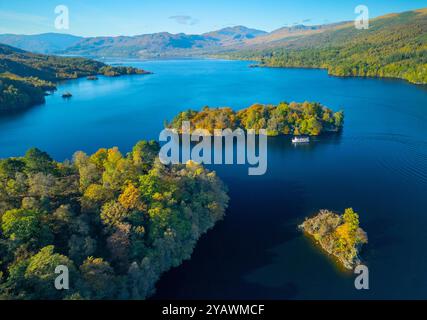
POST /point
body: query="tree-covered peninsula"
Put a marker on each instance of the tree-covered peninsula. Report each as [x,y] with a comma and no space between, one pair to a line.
[116,221]
[25,77]
[339,235]
[307,118]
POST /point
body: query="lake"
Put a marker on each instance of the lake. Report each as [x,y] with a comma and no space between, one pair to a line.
[377,165]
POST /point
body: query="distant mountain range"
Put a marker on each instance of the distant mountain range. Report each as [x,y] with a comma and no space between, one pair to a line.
[161,44]
[394,45]
[223,41]
[41,43]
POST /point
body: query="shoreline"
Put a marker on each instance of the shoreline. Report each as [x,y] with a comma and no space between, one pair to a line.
[52,90]
[331,74]
[338,235]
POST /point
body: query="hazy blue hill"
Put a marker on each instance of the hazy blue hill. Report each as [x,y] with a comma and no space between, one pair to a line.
[233,35]
[40,43]
[164,43]
[156,44]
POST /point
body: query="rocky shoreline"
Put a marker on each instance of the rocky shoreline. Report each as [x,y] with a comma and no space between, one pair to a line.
[338,235]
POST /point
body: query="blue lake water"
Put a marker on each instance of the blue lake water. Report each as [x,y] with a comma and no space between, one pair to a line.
[377,165]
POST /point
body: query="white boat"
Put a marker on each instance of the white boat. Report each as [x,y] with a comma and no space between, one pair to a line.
[300,139]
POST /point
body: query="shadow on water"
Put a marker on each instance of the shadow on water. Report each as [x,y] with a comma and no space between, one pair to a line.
[9,115]
[235,247]
[246,240]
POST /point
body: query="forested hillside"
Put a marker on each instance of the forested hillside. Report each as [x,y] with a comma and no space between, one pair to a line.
[25,76]
[394,46]
[116,221]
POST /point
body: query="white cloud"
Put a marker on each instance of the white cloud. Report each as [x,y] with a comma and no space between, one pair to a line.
[183,19]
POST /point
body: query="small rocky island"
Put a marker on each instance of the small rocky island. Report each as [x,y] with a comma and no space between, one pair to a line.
[67,95]
[338,235]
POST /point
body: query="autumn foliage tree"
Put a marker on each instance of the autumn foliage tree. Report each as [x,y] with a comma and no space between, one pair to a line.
[307,118]
[118,221]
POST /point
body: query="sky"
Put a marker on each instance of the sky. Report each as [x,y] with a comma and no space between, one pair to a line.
[132,17]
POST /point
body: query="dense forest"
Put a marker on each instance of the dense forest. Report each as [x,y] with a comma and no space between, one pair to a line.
[394,46]
[116,221]
[25,76]
[307,118]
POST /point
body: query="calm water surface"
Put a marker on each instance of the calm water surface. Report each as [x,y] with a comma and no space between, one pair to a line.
[377,165]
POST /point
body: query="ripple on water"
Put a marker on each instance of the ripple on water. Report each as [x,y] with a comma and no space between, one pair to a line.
[402,155]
